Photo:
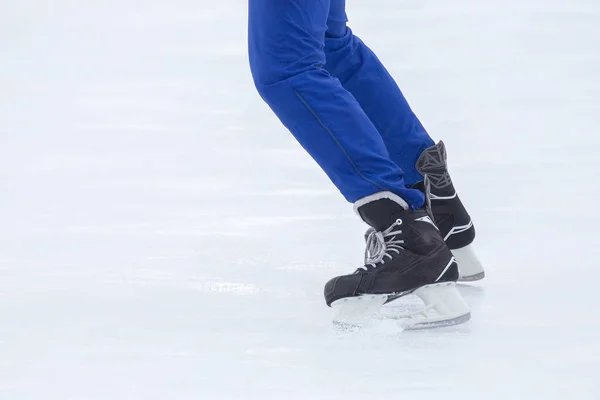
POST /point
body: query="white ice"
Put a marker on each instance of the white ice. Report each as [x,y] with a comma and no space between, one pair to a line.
[162,236]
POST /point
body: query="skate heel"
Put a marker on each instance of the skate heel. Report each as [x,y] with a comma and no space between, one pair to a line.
[469,266]
[357,311]
[444,306]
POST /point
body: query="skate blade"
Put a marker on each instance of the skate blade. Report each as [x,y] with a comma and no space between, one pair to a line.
[469,266]
[357,311]
[444,306]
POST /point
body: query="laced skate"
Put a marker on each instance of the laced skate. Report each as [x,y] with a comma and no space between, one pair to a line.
[378,247]
[405,254]
[449,214]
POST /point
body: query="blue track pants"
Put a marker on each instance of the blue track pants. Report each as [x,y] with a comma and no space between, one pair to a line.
[336,98]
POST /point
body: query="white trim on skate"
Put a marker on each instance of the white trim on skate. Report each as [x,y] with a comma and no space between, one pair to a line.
[458,229]
[378,196]
[428,220]
[452,260]
[436,197]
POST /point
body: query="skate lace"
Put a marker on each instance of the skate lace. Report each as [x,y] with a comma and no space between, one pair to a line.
[380,244]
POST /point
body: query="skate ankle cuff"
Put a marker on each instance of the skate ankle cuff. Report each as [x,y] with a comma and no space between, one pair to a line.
[379,196]
[433,158]
[379,210]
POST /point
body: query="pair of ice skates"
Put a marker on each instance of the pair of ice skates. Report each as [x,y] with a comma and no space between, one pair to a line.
[412,252]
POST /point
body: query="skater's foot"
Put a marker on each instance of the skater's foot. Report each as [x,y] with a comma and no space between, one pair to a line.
[405,254]
[450,215]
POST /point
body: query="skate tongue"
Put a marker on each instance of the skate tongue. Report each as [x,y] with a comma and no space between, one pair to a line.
[433,159]
[433,165]
[379,209]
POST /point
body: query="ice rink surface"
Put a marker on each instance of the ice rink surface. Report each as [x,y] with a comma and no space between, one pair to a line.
[162,236]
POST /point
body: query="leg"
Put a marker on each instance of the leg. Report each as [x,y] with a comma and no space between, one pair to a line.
[409,145]
[363,75]
[286,41]
[405,254]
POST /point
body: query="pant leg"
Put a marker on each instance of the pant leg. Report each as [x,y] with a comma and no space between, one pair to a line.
[363,75]
[286,51]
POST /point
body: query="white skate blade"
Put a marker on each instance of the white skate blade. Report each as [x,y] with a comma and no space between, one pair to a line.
[444,306]
[446,302]
[469,266]
[357,311]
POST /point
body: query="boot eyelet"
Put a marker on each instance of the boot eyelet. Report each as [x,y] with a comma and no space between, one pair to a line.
[399,221]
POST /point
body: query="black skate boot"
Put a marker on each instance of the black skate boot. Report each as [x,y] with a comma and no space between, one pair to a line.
[405,254]
[450,215]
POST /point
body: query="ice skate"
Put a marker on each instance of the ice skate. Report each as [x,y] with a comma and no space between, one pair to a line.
[405,254]
[450,215]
